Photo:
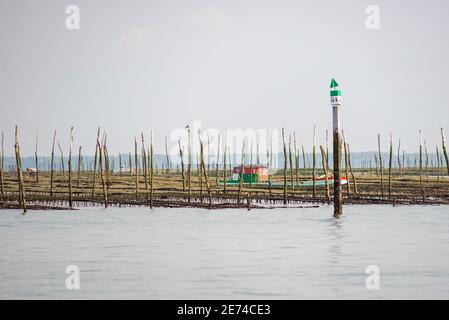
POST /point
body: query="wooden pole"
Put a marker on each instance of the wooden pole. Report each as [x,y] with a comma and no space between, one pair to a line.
[241,172]
[151,169]
[218,157]
[22,201]
[314,162]
[381,168]
[335,102]
[182,166]
[103,183]
[36,160]
[95,162]
[325,169]
[285,167]
[168,157]
[354,181]
[224,163]
[144,163]
[345,147]
[78,177]
[304,161]
[206,177]
[136,165]
[251,165]
[52,165]
[62,159]
[290,156]
[444,150]
[130,165]
[120,163]
[390,164]
[189,168]
[421,167]
[70,169]
[399,158]
[296,160]
[438,166]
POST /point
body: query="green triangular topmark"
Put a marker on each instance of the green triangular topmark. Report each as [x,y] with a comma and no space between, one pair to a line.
[334,83]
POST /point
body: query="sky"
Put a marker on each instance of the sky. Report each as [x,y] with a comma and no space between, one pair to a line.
[136,66]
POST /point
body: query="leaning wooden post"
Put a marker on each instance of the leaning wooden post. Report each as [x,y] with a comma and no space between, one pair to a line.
[136,166]
[52,173]
[345,148]
[62,159]
[420,167]
[130,161]
[144,163]
[95,162]
[438,166]
[19,173]
[218,157]
[151,169]
[296,160]
[290,159]
[325,169]
[70,169]
[168,157]
[2,158]
[36,160]
[206,177]
[399,158]
[304,161]
[444,150]
[285,167]
[189,167]
[314,162]
[103,183]
[224,164]
[79,168]
[390,163]
[182,166]
[241,172]
[335,98]
[354,181]
[381,167]
[120,163]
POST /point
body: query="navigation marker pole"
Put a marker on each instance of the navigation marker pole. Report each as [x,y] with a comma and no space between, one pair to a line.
[335,98]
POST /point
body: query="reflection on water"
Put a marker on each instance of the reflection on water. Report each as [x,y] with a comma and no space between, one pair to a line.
[230,254]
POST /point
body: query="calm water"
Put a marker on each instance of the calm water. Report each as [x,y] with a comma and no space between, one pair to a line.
[192,254]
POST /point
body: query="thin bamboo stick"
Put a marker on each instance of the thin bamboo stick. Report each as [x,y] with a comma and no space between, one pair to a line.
[325,169]
[241,172]
[285,167]
[314,162]
[381,170]
[103,182]
[52,165]
[443,144]
[136,166]
[36,160]
[290,156]
[151,170]
[182,166]
[390,164]
[78,178]
[22,196]
[70,169]
[95,162]
[218,157]
[421,167]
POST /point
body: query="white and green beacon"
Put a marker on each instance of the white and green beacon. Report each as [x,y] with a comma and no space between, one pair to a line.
[335,93]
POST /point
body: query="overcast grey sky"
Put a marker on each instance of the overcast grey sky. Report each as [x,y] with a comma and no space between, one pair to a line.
[140,65]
